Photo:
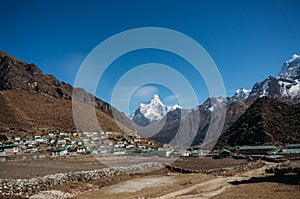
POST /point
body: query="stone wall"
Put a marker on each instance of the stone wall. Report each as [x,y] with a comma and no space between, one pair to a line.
[235,168]
[19,186]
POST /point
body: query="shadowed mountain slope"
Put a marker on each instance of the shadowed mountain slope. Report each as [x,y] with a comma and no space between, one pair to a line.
[266,121]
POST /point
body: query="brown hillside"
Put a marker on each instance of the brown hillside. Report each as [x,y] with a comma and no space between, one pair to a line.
[23,110]
[266,121]
[31,99]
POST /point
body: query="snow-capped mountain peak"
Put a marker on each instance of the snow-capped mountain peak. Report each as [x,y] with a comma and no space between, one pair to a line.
[242,92]
[215,103]
[239,95]
[291,68]
[174,107]
[155,101]
[154,110]
[289,77]
[285,85]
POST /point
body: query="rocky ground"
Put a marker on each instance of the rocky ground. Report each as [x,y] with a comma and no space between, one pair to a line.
[252,182]
[64,179]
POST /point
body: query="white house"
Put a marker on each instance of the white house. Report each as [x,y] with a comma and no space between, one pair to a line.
[59,152]
[129,146]
[61,141]
[141,147]
[96,133]
[81,149]
[9,148]
[62,133]
[51,135]
[119,152]
[164,153]
[185,153]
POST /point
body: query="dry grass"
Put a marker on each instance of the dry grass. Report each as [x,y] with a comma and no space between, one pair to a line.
[46,166]
[271,190]
[21,109]
[206,163]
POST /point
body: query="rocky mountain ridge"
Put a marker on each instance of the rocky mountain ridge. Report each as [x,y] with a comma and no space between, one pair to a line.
[284,88]
[19,81]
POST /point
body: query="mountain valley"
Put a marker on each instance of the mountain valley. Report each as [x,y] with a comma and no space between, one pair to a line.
[284,87]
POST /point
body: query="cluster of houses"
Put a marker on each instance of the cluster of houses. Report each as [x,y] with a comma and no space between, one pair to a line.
[55,143]
[103,143]
[194,151]
[8,148]
[269,151]
[107,143]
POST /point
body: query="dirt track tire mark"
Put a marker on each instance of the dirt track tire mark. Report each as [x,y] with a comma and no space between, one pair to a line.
[212,187]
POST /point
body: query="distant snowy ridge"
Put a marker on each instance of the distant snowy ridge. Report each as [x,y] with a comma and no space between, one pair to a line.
[290,69]
[285,85]
[240,95]
[289,77]
[213,103]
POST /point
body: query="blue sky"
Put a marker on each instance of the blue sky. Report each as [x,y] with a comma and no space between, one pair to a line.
[248,40]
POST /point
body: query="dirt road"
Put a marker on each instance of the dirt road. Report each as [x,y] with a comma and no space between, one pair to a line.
[168,187]
[212,187]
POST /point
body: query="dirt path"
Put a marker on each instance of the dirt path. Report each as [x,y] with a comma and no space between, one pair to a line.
[146,187]
[212,187]
[178,186]
[139,184]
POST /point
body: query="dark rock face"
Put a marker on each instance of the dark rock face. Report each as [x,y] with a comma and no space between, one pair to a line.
[272,85]
[269,87]
[16,74]
[170,129]
[139,119]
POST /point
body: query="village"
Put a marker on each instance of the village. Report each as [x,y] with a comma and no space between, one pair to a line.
[103,143]
[68,144]
[107,143]
[265,152]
